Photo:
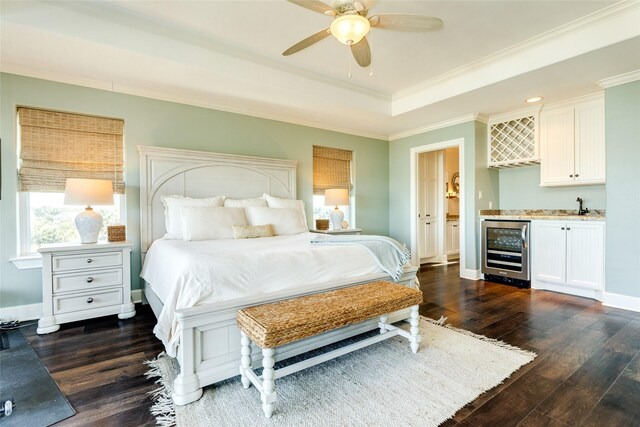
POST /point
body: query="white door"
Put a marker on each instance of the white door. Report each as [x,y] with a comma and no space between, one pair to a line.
[548,251]
[589,143]
[557,146]
[585,254]
[428,206]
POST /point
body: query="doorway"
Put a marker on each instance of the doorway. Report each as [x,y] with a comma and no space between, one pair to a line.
[437,202]
[438,206]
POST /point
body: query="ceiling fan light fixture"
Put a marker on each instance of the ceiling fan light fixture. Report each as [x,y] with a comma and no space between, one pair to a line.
[350,29]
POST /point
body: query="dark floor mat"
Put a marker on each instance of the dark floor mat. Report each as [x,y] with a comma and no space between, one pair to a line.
[23,377]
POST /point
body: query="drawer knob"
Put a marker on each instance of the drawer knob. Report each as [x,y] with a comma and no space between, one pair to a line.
[89,260]
[570,176]
[568,228]
[89,300]
[561,228]
[89,279]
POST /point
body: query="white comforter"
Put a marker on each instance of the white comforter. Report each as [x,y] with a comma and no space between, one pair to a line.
[185,274]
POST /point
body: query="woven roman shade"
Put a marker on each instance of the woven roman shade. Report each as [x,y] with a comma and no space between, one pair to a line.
[331,169]
[55,146]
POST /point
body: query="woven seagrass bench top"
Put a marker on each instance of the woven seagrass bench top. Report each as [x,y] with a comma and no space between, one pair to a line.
[279,323]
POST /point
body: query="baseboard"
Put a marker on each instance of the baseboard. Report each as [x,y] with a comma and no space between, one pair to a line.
[21,312]
[567,289]
[624,302]
[34,311]
[136,295]
[465,273]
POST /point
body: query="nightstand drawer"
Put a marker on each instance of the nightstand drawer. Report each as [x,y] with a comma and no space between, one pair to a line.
[86,261]
[86,281]
[86,301]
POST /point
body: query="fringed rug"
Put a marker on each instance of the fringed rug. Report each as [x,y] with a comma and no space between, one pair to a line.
[384,384]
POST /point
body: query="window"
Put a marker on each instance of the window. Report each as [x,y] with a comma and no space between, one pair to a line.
[52,147]
[332,168]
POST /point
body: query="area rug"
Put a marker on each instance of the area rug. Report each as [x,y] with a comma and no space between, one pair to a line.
[384,384]
[23,377]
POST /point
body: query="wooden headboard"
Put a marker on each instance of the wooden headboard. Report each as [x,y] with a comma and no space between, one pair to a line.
[168,171]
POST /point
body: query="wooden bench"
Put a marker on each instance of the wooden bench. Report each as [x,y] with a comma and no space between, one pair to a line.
[273,325]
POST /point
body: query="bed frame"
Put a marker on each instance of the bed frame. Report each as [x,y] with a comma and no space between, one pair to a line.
[209,349]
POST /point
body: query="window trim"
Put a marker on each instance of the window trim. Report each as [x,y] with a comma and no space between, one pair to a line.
[26,260]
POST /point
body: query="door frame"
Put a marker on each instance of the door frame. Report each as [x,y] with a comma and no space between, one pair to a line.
[413,210]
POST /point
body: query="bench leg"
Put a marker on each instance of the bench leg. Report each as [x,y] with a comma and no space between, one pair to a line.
[245,360]
[268,383]
[383,321]
[415,329]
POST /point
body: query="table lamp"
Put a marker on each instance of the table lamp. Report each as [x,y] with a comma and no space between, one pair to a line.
[336,197]
[87,192]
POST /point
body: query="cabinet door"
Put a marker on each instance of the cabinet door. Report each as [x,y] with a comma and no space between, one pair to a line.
[548,251]
[429,246]
[589,143]
[585,254]
[557,147]
[449,238]
[456,237]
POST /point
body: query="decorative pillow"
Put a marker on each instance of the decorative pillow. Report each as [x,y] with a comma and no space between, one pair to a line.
[210,223]
[244,203]
[277,202]
[173,211]
[252,231]
[285,221]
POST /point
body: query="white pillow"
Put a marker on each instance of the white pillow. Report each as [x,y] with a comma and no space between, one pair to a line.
[210,223]
[277,202]
[173,211]
[244,203]
[284,221]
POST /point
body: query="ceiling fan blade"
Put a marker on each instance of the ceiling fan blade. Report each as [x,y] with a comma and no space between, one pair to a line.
[361,52]
[312,39]
[405,22]
[316,6]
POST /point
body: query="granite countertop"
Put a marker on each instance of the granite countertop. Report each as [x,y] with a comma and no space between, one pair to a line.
[594,215]
[451,217]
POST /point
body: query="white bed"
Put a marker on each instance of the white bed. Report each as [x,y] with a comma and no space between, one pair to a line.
[201,323]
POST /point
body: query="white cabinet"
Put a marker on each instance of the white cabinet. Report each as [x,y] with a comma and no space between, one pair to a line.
[85,281]
[572,144]
[568,256]
[453,238]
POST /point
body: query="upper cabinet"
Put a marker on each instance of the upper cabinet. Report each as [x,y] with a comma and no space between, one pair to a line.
[572,143]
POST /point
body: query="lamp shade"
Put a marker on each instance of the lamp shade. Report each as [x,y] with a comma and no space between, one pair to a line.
[350,29]
[336,196]
[87,192]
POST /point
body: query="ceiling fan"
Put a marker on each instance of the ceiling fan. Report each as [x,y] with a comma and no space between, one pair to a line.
[351,24]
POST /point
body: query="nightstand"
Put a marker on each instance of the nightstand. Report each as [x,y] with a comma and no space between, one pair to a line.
[85,281]
[343,231]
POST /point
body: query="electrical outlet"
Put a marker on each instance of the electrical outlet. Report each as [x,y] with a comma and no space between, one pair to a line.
[479,194]
[490,205]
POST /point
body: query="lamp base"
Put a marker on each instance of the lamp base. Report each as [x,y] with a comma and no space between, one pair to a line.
[336,216]
[89,223]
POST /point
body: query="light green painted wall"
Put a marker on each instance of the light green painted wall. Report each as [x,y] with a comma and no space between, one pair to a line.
[167,124]
[622,113]
[476,177]
[520,189]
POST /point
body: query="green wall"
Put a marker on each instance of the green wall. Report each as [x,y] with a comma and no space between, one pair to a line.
[167,124]
[520,189]
[476,178]
[622,114]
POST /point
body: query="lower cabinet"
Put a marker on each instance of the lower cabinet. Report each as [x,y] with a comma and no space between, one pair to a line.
[453,239]
[428,239]
[568,256]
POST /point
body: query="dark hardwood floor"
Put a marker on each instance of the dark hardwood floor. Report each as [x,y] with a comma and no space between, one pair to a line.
[587,371]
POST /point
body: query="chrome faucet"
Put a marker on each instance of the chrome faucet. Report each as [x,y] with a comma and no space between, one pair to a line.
[580,210]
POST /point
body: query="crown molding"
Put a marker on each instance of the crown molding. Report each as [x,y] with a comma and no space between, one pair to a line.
[583,35]
[443,124]
[510,115]
[619,80]
[18,69]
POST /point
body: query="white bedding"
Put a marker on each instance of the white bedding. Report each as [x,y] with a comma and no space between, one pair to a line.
[184,274]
